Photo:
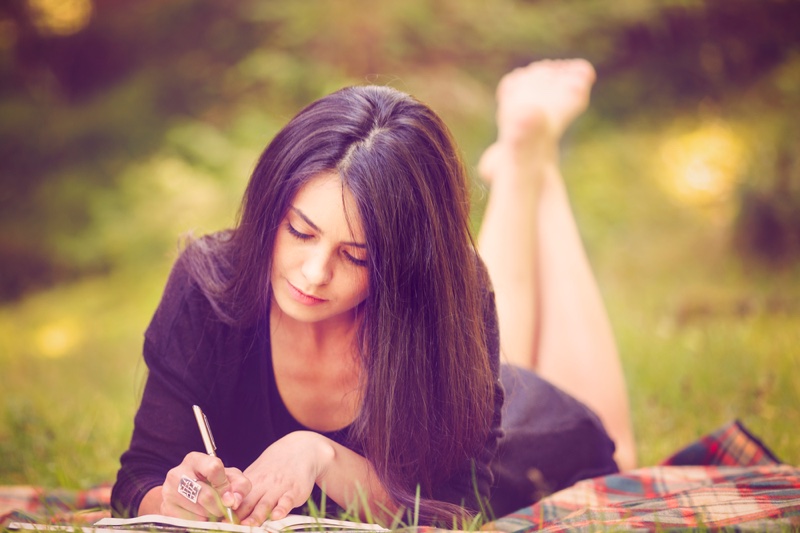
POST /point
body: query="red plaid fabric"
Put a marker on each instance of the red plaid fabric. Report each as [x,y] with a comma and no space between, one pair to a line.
[669,497]
[24,503]
[731,445]
[737,483]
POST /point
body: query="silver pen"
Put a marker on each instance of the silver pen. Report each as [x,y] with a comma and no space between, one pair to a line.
[211,447]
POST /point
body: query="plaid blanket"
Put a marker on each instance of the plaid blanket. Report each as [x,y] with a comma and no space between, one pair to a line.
[737,483]
[22,503]
[726,480]
[670,497]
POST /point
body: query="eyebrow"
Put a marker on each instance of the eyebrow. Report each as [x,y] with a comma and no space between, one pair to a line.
[316,228]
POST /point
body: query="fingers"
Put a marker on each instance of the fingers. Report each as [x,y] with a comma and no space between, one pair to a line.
[282,508]
[219,481]
[284,475]
[237,487]
[188,497]
[259,514]
[265,509]
[201,487]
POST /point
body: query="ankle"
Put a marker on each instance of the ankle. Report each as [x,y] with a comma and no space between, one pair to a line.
[530,155]
[520,165]
[532,134]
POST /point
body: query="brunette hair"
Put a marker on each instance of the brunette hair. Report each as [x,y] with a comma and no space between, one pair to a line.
[428,395]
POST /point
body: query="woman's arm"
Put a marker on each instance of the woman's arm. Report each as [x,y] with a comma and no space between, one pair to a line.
[285,474]
[180,351]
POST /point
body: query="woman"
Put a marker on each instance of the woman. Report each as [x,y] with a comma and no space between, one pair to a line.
[331,336]
[343,336]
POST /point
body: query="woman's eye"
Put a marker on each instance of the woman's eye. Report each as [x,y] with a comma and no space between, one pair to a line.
[297,234]
[356,261]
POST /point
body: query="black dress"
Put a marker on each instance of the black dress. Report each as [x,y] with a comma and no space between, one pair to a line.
[546,441]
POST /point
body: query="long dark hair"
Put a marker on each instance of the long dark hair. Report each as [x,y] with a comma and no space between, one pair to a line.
[427,399]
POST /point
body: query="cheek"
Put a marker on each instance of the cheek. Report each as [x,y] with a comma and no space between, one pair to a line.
[277,258]
[283,254]
[283,261]
[361,287]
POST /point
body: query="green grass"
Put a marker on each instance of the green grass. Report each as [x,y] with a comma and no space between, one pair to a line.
[72,374]
[705,335]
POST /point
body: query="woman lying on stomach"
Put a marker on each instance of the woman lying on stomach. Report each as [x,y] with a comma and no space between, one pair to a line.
[343,337]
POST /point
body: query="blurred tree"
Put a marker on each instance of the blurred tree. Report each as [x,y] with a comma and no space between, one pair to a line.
[79,107]
[91,86]
[767,226]
[695,51]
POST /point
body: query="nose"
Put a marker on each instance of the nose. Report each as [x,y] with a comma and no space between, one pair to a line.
[317,267]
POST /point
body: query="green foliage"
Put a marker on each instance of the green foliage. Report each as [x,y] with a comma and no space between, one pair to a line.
[80,109]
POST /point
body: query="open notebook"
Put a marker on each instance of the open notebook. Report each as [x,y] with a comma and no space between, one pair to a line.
[170,524]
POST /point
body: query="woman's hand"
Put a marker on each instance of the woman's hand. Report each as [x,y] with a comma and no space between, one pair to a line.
[284,476]
[220,487]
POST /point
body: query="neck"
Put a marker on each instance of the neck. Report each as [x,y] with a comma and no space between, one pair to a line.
[317,370]
[330,337]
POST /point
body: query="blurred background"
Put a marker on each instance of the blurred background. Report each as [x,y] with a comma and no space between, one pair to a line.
[125,124]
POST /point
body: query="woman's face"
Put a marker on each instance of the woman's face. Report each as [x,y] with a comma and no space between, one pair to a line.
[319,267]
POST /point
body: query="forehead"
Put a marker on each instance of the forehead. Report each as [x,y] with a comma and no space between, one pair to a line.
[327,202]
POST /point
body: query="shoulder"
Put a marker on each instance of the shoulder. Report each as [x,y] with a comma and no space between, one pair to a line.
[182,284]
[207,260]
[187,304]
[203,268]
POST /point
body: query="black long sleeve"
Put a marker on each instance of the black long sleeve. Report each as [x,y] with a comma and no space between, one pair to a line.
[194,358]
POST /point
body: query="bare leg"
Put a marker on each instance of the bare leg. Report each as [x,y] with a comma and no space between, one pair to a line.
[552,318]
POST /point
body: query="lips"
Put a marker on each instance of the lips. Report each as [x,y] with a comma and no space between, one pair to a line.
[303,298]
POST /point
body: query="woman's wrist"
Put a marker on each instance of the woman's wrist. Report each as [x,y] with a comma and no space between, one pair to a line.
[319,447]
[324,454]
[151,502]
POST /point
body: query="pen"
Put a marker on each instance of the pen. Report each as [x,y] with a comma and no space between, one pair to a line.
[211,446]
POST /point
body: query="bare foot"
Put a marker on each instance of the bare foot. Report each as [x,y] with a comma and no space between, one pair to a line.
[535,105]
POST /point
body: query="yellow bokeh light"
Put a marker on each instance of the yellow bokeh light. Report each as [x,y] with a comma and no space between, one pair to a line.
[61,17]
[701,167]
[58,339]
